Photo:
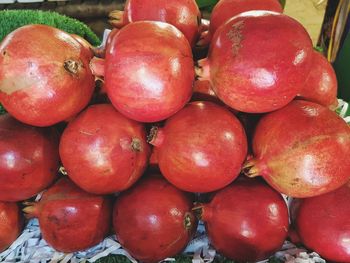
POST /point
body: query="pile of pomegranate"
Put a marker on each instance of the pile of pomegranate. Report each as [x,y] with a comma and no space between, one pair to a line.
[252,120]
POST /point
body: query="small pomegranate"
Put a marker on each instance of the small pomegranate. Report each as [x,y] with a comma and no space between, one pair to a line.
[201,148]
[321,86]
[301,150]
[70,219]
[183,14]
[44,75]
[153,220]
[246,221]
[226,9]
[28,159]
[148,71]
[11,223]
[258,78]
[104,152]
[322,223]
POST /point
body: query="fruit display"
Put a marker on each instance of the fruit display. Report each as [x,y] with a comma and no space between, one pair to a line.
[136,148]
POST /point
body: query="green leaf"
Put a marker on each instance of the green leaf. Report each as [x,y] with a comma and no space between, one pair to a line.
[206,3]
[283,3]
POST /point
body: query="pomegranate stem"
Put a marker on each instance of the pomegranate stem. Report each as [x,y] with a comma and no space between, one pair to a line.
[116,18]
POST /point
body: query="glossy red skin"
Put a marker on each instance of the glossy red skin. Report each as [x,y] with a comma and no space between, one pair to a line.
[247,67]
[29,159]
[35,87]
[203,148]
[11,223]
[247,221]
[226,9]
[97,151]
[321,86]
[71,219]
[183,14]
[302,150]
[149,220]
[322,223]
[88,48]
[149,71]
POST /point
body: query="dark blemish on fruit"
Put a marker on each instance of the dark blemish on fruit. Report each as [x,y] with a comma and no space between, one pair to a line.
[236,37]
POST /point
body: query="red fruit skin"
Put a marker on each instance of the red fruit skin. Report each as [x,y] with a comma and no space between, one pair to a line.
[153,220]
[246,221]
[102,151]
[11,223]
[302,150]
[226,9]
[70,219]
[183,14]
[88,48]
[44,75]
[202,149]
[248,69]
[202,91]
[321,86]
[149,71]
[29,159]
[322,223]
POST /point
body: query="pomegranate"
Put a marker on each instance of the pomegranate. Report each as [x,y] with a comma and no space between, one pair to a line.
[183,14]
[226,9]
[88,48]
[70,219]
[246,221]
[301,150]
[44,75]
[248,69]
[201,148]
[153,220]
[104,152]
[148,71]
[322,223]
[28,159]
[321,85]
[11,223]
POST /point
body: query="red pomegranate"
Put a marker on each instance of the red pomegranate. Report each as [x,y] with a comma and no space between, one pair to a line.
[104,152]
[301,150]
[71,219]
[44,75]
[247,67]
[246,221]
[153,220]
[321,86]
[28,159]
[88,48]
[183,14]
[11,223]
[148,71]
[322,223]
[226,9]
[201,148]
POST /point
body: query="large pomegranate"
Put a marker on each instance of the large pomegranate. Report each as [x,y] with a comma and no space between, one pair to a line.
[104,152]
[301,150]
[322,224]
[153,220]
[44,75]
[183,14]
[70,219]
[11,223]
[321,86]
[148,71]
[247,66]
[28,159]
[201,148]
[226,9]
[246,221]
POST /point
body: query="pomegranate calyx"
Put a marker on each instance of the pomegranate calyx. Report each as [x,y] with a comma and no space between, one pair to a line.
[250,169]
[156,136]
[116,18]
[188,221]
[202,69]
[97,66]
[30,210]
